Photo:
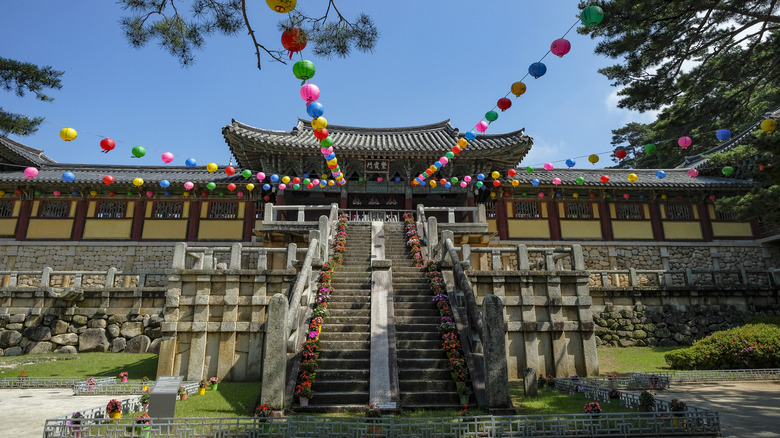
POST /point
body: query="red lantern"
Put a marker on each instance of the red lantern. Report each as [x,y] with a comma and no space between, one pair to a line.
[108,180]
[511,172]
[230,170]
[294,40]
[296,180]
[604,178]
[321,134]
[309,186]
[496,183]
[456,150]
[504,104]
[231,187]
[620,154]
[17,192]
[266,198]
[204,194]
[332,166]
[112,194]
[443,181]
[592,195]
[506,194]
[107,144]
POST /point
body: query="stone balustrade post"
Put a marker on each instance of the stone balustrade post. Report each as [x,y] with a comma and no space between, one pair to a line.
[433,233]
[522,258]
[46,276]
[689,279]
[235,255]
[633,281]
[262,259]
[451,215]
[743,276]
[301,214]
[275,357]
[481,214]
[268,213]
[496,259]
[179,255]
[110,276]
[466,256]
[444,255]
[577,258]
[494,344]
[292,255]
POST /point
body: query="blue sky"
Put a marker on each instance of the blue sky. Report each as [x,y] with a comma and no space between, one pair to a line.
[435,60]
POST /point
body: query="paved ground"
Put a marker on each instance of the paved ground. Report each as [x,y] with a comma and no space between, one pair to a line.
[747,409]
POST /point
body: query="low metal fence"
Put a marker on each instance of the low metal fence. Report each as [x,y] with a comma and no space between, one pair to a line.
[719,375]
[635,381]
[691,423]
[40,382]
[112,386]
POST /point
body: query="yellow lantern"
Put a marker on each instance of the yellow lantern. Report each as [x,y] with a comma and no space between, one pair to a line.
[2,193]
[432,168]
[495,174]
[575,195]
[93,193]
[68,134]
[632,177]
[281,6]
[663,196]
[518,88]
[186,194]
[769,125]
[324,176]
[433,183]
[492,195]
[515,183]
[331,182]
[285,179]
[250,187]
[138,182]
[462,142]
[593,158]
[212,167]
[319,123]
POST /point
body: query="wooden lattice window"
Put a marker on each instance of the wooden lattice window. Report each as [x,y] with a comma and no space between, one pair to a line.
[54,209]
[677,211]
[577,210]
[526,210]
[490,209]
[223,210]
[112,210]
[629,211]
[6,208]
[168,210]
[725,215]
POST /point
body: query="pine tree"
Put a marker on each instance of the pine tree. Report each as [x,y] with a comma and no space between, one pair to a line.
[21,78]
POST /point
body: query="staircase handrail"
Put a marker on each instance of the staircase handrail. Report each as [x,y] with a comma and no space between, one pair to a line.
[301,295]
[461,281]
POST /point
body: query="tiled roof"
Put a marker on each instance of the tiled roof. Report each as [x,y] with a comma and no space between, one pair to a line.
[675,178]
[248,144]
[13,152]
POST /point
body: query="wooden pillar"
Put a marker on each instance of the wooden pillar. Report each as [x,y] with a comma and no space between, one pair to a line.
[655,221]
[279,197]
[194,218]
[408,200]
[250,211]
[501,221]
[81,218]
[755,228]
[555,223]
[606,220]
[24,219]
[138,219]
[706,223]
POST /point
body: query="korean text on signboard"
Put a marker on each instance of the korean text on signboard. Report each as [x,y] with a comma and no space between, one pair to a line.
[377,166]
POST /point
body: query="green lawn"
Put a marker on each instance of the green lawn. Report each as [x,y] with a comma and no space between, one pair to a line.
[82,364]
[553,402]
[231,399]
[632,359]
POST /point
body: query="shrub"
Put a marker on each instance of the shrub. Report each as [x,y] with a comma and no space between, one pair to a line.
[769,318]
[748,346]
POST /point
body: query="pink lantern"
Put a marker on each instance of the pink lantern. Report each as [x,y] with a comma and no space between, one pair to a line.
[467,178]
[167,157]
[310,93]
[463,184]
[482,126]
[560,47]
[30,173]
[442,160]
[149,194]
[684,142]
[626,196]
[240,194]
[548,166]
[260,176]
[556,181]
[282,186]
[380,179]
[57,193]
[188,185]
[541,194]
[712,197]
[693,173]
[315,182]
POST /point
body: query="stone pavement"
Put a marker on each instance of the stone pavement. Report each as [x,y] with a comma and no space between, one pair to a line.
[747,409]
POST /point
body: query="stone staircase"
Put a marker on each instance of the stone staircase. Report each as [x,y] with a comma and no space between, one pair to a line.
[423,371]
[343,378]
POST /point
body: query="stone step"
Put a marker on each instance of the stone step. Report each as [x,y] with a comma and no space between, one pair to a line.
[334,363]
[322,386]
[346,328]
[344,336]
[410,303]
[421,292]
[342,274]
[347,307]
[413,298]
[414,344]
[363,345]
[332,398]
[419,336]
[349,283]
[424,364]
[407,374]
[343,374]
[332,350]
[430,312]
[351,320]
[422,354]
[349,299]
[419,327]
[416,386]
[410,399]
[425,320]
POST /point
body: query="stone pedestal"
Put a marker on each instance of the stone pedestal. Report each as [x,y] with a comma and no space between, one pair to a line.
[529,382]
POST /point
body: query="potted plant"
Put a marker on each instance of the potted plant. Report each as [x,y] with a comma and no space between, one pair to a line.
[646,402]
[143,420]
[677,406]
[550,382]
[75,424]
[202,387]
[593,408]
[614,394]
[304,393]
[374,413]
[114,409]
[214,383]
[22,378]
[145,381]
[144,400]
[463,391]
[264,412]
[541,381]
[123,375]
[91,383]
[182,393]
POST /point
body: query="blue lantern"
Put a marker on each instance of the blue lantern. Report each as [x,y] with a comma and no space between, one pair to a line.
[471,135]
[191,162]
[397,179]
[274,178]
[164,183]
[68,177]
[305,175]
[558,195]
[660,174]
[535,182]
[481,177]
[437,165]
[327,157]
[448,184]
[167,193]
[75,193]
[570,163]
[723,134]
[266,187]
[315,109]
[422,183]
[537,69]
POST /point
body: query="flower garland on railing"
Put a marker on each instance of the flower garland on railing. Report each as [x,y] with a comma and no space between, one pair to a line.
[413,240]
[311,346]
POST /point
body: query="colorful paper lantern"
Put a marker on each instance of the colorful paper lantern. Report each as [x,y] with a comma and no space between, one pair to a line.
[604,178]
[304,69]
[321,134]
[138,182]
[535,182]
[470,135]
[68,134]
[515,183]
[319,123]
[467,178]
[649,149]
[165,183]
[496,183]
[660,174]
[315,109]
[728,170]
[281,6]
[593,158]
[693,173]
[68,176]
[310,93]
[580,180]
[632,177]
[294,40]
[246,173]
[504,104]
[212,167]
[620,154]
[591,16]
[191,162]
[570,163]
[167,157]
[529,169]
[327,141]
[138,151]
[230,170]
[723,134]
[548,166]
[537,70]
[250,187]
[211,186]
[491,116]
[541,194]
[482,126]
[684,142]
[626,196]
[495,175]
[188,185]
[560,47]
[769,125]
[108,180]
[231,187]
[556,181]
[30,173]
[107,145]
[511,173]
[518,88]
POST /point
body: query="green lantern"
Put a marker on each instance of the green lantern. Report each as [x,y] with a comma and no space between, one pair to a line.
[454,180]
[211,186]
[524,194]
[296,186]
[303,69]
[37,193]
[138,151]
[650,149]
[449,155]
[246,173]
[592,16]
[480,184]
[491,116]
[580,180]
[361,179]
[306,181]
[529,169]
[221,195]
[728,170]
[129,193]
[326,142]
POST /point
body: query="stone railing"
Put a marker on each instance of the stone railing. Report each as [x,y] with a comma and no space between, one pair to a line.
[520,257]
[664,279]
[720,375]
[69,284]
[459,220]
[298,213]
[40,382]
[235,256]
[697,422]
[369,215]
